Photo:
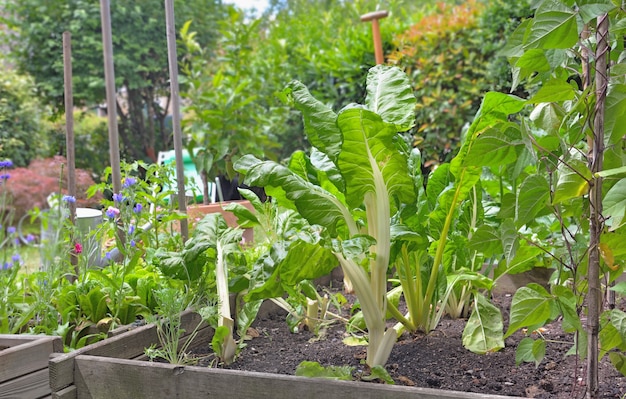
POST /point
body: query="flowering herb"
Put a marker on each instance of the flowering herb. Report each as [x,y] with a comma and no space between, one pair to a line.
[78,248]
[69,199]
[118,197]
[112,212]
[129,181]
[137,208]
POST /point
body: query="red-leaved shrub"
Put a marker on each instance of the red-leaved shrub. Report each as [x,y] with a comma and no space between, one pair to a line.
[30,187]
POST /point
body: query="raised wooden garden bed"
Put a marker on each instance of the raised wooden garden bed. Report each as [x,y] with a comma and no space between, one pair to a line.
[102,377]
[116,369]
[24,365]
[66,379]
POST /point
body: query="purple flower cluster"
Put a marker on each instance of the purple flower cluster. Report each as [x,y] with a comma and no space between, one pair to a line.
[118,197]
[69,199]
[6,164]
[112,212]
[129,181]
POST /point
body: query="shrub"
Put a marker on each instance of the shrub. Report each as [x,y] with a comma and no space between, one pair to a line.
[452,57]
[23,128]
[30,187]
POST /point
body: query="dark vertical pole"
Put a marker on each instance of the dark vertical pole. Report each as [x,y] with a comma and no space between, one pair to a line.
[594,296]
[109,76]
[69,133]
[178,137]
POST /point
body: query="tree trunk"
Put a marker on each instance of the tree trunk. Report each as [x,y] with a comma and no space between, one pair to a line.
[594,296]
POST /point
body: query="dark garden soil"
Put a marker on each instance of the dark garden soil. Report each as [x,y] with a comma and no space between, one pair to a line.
[437,360]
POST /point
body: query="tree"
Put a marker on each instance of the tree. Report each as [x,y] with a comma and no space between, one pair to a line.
[140,57]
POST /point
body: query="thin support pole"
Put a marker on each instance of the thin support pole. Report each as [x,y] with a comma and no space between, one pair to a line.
[69,134]
[111,94]
[178,136]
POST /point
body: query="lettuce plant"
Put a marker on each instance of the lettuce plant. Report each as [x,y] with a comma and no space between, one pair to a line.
[354,179]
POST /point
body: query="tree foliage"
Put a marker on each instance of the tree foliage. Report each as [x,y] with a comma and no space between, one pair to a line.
[140,57]
[23,123]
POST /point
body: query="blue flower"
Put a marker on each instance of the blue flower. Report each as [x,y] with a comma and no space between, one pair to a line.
[109,255]
[7,265]
[5,176]
[133,243]
[129,181]
[16,258]
[6,163]
[11,230]
[138,208]
[131,229]
[118,197]
[30,238]
[69,199]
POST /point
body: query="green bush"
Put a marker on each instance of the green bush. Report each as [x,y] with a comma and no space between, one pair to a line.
[452,56]
[24,130]
[91,141]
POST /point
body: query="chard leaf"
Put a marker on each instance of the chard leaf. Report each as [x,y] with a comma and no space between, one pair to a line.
[389,94]
[319,120]
[315,204]
[483,331]
[378,373]
[285,265]
[368,147]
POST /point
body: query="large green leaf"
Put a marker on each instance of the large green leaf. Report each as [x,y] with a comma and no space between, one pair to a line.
[554,26]
[368,149]
[494,147]
[483,331]
[554,90]
[494,110]
[533,197]
[315,204]
[486,240]
[287,264]
[526,257]
[389,94]
[614,205]
[531,306]
[319,120]
[533,60]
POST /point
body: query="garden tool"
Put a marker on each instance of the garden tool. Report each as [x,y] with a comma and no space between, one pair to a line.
[378,45]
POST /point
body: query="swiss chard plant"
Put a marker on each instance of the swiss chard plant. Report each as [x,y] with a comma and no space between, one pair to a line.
[349,187]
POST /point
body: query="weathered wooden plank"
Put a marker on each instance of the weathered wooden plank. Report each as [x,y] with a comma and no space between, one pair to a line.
[121,379]
[30,386]
[30,353]
[67,393]
[127,345]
